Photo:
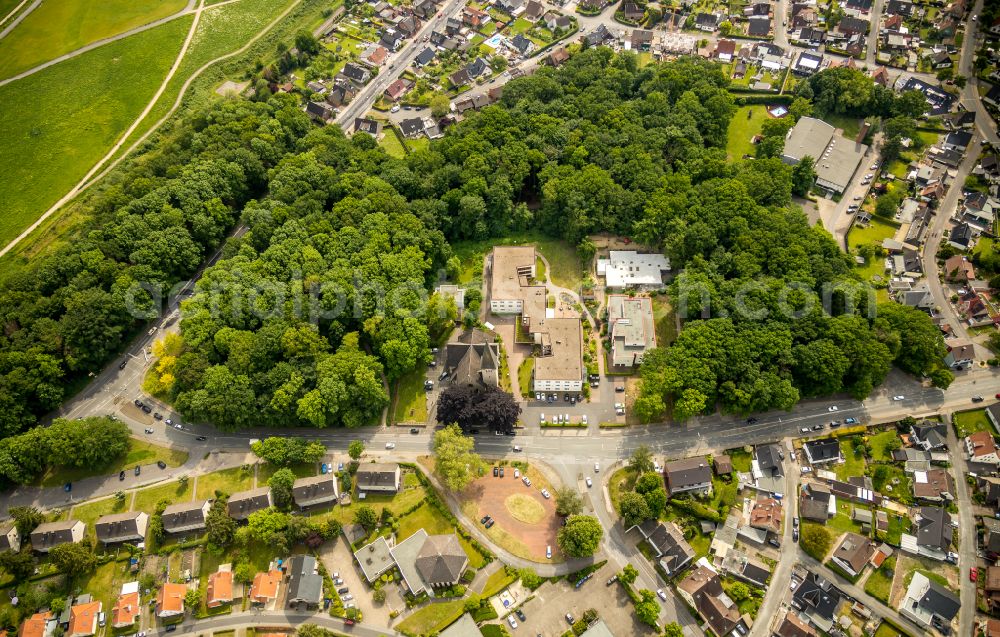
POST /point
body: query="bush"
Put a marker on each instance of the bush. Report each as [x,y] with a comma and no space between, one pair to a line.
[815,541]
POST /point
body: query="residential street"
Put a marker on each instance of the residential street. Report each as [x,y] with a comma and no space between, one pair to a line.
[966,530]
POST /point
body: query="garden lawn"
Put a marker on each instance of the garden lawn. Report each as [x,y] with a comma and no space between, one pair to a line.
[139,452]
[883,476]
[743,128]
[741,460]
[879,444]
[664,320]
[524,372]
[428,518]
[968,422]
[55,28]
[877,230]
[392,144]
[521,25]
[497,582]
[850,125]
[432,618]
[879,583]
[227,481]
[105,582]
[853,464]
[885,630]
[621,481]
[301,470]
[421,143]
[147,499]
[55,124]
[410,398]
[88,513]
[842,522]
[564,264]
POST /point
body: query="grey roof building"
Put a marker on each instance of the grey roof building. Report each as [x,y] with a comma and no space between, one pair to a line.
[441,560]
[10,539]
[378,476]
[122,527]
[243,503]
[689,474]
[305,584]
[50,534]
[822,451]
[933,528]
[473,360]
[185,516]
[375,558]
[929,604]
[465,626]
[668,543]
[315,490]
[836,157]
[632,328]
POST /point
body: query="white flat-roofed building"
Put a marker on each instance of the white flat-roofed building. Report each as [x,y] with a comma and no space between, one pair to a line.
[511,279]
[630,269]
[632,328]
[835,157]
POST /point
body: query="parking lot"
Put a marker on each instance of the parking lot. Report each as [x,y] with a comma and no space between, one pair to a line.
[337,558]
[546,612]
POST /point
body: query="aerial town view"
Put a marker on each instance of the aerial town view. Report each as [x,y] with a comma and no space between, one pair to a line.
[487,318]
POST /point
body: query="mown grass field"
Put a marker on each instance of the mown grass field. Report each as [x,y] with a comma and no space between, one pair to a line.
[55,124]
[743,128]
[56,28]
[139,452]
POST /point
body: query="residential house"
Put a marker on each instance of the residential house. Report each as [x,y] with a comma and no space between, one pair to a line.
[981,447]
[122,527]
[961,237]
[853,553]
[759,26]
[708,22]
[818,600]
[425,57]
[555,21]
[375,558]
[320,111]
[220,587]
[857,489]
[391,39]
[632,328]
[741,566]
[849,26]
[596,37]
[958,269]
[668,543]
[409,26]
[993,414]
[242,503]
[766,515]
[533,10]
[427,562]
[641,40]
[521,44]
[183,517]
[83,619]
[992,96]
[767,469]
[725,50]
[305,584]
[397,89]
[10,539]
[367,125]
[928,604]
[356,73]
[991,588]
[557,57]
[989,489]
[341,93]
[474,360]
[702,589]
[50,534]
[929,435]
[940,60]
[264,588]
[722,464]
[378,476]
[858,7]
[128,607]
[170,600]
[632,12]
[979,210]
[957,140]
[475,18]
[961,354]
[902,8]
[412,127]
[689,474]
[816,503]
[424,8]
[822,451]
[792,626]
[933,485]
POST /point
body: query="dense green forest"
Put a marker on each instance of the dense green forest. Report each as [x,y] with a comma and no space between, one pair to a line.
[327,291]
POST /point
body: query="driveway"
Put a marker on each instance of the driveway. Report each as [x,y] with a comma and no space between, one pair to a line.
[337,558]
[546,611]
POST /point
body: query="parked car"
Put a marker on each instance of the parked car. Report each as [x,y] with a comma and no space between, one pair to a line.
[148,430]
[569,619]
[121,474]
[390,445]
[511,621]
[806,469]
[496,471]
[817,427]
[323,468]
[342,591]
[201,438]
[414,430]
[973,574]
[517,448]
[484,519]
[590,482]
[546,494]
[597,467]
[123,364]
[68,487]
[526,480]
[612,580]
[774,542]
[501,472]
[661,594]
[159,463]
[850,421]
[158,416]
[804,430]
[520,615]
[548,553]
[146,409]
[347,597]
[977,399]
[490,523]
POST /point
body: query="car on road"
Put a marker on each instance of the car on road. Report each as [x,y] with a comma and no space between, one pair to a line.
[569,619]
[496,471]
[751,421]
[973,574]
[138,469]
[611,580]
[177,426]
[121,474]
[443,375]
[977,399]
[517,448]
[597,467]
[390,445]
[899,397]
[795,534]
[169,422]
[850,421]
[661,594]
[804,430]
[511,621]
[590,482]
[68,487]
[201,438]
[159,463]
[347,597]
[832,408]
[148,430]
[817,427]
[123,364]
[323,468]
[414,430]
